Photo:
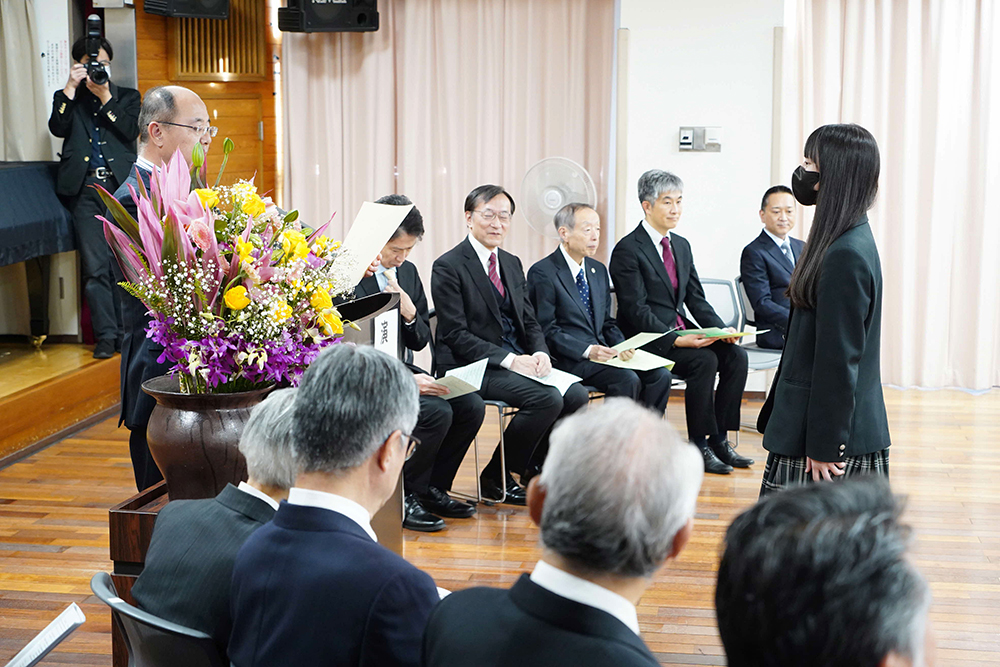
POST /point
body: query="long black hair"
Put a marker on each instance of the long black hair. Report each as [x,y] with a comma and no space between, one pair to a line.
[848,161]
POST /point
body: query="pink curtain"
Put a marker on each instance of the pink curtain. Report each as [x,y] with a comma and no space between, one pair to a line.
[924,77]
[447,95]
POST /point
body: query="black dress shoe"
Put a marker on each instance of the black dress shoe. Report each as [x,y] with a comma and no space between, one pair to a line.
[105,349]
[440,503]
[533,470]
[712,463]
[415,517]
[491,490]
[724,452]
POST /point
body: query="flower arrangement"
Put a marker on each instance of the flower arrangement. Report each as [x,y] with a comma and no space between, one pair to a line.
[240,294]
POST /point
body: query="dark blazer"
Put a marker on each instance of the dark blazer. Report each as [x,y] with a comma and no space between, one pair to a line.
[646,299]
[117,123]
[417,334]
[312,588]
[469,326]
[568,328]
[189,565]
[139,353]
[826,398]
[765,272]
[527,626]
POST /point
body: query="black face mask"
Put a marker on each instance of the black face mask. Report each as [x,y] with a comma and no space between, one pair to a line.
[803,183]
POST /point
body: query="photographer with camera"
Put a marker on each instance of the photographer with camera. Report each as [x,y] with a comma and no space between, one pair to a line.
[99,123]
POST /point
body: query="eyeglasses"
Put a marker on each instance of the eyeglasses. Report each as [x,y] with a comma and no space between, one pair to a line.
[211,129]
[411,444]
[489,215]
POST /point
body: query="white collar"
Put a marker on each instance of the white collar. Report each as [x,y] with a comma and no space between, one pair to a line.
[145,164]
[334,503]
[654,236]
[779,241]
[574,268]
[483,253]
[574,588]
[257,493]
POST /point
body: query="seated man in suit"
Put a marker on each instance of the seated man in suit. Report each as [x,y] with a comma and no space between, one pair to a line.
[654,271]
[767,264]
[189,564]
[602,543]
[572,298]
[445,428]
[822,571]
[484,312]
[314,587]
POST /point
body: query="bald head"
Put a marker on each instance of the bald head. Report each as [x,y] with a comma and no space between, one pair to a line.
[171,118]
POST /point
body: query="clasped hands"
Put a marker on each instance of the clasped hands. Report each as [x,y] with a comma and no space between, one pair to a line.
[601,353]
[536,365]
[696,341]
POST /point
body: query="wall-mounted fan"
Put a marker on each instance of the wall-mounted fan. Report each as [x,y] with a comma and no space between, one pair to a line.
[548,186]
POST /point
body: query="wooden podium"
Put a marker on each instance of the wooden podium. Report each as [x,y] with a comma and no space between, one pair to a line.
[131,522]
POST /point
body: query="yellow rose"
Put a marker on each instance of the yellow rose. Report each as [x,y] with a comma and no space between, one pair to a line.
[243,249]
[281,312]
[321,300]
[236,297]
[254,205]
[332,323]
[209,197]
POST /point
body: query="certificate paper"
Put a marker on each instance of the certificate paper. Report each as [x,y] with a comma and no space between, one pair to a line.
[561,380]
[640,361]
[637,341]
[464,380]
[373,227]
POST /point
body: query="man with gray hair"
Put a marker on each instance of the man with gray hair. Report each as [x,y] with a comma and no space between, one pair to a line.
[819,575]
[608,523]
[314,586]
[189,564]
[654,271]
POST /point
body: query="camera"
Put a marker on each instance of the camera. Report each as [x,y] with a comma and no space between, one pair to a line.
[96,71]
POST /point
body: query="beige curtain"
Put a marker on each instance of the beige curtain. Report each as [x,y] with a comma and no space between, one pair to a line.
[447,95]
[924,77]
[24,109]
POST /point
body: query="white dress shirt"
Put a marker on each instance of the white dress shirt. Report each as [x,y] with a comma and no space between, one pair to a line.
[144,164]
[585,592]
[334,503]
[257,493]
[656,237]
[779,241]
[574,270]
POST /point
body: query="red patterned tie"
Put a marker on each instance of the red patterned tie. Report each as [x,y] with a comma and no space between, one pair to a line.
[671,266]
[494,274]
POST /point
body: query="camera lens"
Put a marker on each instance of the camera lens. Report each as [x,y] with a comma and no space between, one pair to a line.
[97,73]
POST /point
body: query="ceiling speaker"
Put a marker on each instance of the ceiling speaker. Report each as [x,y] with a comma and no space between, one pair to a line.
[189,9]
[329,16]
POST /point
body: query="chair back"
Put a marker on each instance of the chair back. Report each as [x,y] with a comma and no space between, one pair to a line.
[748,315]
[152,641]
[721,295]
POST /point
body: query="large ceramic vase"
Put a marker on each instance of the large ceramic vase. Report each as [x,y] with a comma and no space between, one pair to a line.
[193,437]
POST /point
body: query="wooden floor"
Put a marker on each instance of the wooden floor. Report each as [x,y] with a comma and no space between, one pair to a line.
[946,458]
[22,366]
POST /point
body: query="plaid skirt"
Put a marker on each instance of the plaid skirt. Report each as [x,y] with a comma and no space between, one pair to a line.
[781,471]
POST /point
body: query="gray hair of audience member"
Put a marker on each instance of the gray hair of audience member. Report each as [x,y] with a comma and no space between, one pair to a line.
[268,439]
[350,400]
[655,182]
[619,484]
[566,216]
[158,105]
[821,570]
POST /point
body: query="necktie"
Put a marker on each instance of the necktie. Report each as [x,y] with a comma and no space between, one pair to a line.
[584,288]
[671,266]
[786,248]
[495,275]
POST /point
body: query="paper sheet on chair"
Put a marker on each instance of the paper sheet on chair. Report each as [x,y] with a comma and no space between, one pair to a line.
[463,380]
[561,380]
[640,361]
[373,227]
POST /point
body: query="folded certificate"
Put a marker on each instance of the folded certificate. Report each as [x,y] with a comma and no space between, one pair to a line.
[640,361]
[637,341]
[716,332]
[561,380]
[464,380]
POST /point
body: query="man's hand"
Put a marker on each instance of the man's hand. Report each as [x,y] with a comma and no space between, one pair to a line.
[77,73]
[525,365]
[730,340]
[428,387]
[625,355]
[601,353]
[693,340]
[373,267]
[102,93]
[543,365]
[824,471]
[406,307]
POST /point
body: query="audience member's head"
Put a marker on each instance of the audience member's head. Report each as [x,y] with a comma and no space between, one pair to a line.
[80,52]
[172,118]
[579,229]
[354,414]
[617,493]
[488,210]
[267,443]
[406,236]
[777,210]
[660,194]
[821,572]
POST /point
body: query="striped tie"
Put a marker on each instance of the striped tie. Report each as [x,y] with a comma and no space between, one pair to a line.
[495,275]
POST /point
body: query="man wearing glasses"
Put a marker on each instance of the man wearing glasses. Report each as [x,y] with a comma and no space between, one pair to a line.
[484,312]
[97,123]
[172,118]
